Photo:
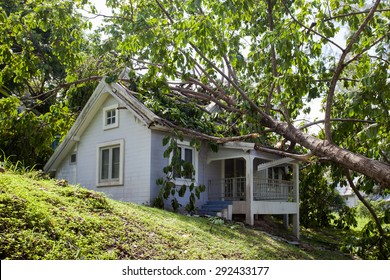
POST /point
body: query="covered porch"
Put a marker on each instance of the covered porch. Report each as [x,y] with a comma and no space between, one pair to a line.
[255,183]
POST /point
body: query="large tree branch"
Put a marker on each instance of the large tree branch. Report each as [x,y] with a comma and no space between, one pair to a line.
[300,157]
[203,96]
[340,67]
[203,136]
[374,169]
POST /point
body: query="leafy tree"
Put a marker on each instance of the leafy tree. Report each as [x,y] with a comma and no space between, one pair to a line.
[319,199]
[41,42]
[262,61]
[26,137]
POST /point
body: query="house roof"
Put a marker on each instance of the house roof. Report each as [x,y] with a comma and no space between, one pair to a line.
[125,98]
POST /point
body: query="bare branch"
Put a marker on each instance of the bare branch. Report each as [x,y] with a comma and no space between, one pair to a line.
[354,14]
[202,136]
[300,157]
[336,120]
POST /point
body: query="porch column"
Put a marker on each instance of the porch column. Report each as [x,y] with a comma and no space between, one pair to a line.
[249,217]
[296,196]
[285,221]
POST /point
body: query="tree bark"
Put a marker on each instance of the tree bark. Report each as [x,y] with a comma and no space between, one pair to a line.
[374,169]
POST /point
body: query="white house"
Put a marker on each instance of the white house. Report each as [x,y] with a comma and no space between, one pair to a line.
[115,147]
[350,198]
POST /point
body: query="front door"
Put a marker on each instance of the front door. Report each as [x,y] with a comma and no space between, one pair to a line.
[235,178]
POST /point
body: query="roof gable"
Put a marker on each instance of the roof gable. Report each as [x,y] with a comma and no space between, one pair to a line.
[103,90]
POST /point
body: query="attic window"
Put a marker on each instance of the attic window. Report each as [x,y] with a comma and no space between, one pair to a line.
[110,117]
[73,158]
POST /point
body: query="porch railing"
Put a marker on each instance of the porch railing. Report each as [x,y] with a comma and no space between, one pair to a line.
[263,189]
[227,189]
[273,189]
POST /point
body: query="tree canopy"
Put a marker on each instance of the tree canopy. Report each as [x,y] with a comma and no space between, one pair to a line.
[263,62]
[42,45]
[259,65]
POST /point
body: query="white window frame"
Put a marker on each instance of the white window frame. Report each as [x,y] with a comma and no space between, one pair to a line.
[107,109]
[183,180]
[110,181]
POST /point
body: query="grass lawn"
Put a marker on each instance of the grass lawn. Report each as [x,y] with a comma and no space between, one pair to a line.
[48,219]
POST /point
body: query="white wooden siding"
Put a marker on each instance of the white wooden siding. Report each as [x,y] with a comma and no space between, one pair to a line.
[136,184]
[158,162]
[67,171]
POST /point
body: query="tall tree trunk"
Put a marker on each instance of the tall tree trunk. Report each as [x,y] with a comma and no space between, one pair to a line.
[374,169]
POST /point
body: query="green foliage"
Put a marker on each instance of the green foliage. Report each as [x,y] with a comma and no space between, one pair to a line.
[41,42]
[319,200]
[180,169]
[365,243]
[215,221]
[46,219]
[26,137]
[346,217]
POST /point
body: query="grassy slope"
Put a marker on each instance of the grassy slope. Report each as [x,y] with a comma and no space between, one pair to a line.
[42,219]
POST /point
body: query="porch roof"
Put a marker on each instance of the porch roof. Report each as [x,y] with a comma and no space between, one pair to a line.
[238,149]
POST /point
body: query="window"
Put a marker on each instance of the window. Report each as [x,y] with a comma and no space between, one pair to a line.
[110,117]
[73,158]
[187,156]
[110,163]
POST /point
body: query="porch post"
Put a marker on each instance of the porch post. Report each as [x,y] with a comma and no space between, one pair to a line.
[222,193]
[296,196]
[249,190]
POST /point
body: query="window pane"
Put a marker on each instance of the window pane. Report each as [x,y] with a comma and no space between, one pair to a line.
[188,158]
[115,163]
[105,164]
[110,116]
[188,155]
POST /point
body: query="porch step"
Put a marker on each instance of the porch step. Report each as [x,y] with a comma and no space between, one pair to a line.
[212,208]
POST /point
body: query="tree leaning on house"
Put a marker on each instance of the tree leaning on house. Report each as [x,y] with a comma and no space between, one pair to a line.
[261,63]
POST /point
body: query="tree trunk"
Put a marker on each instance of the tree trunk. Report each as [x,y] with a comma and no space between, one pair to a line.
[374,169]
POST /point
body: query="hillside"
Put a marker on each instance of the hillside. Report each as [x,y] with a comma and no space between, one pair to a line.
[48,219]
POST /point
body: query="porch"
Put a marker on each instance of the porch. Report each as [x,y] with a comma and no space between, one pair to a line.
[255,183]
[234,189]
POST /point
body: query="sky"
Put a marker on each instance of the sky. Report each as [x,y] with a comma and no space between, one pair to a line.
[101,8]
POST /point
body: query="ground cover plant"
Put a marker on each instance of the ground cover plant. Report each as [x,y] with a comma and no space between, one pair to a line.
[49,219]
